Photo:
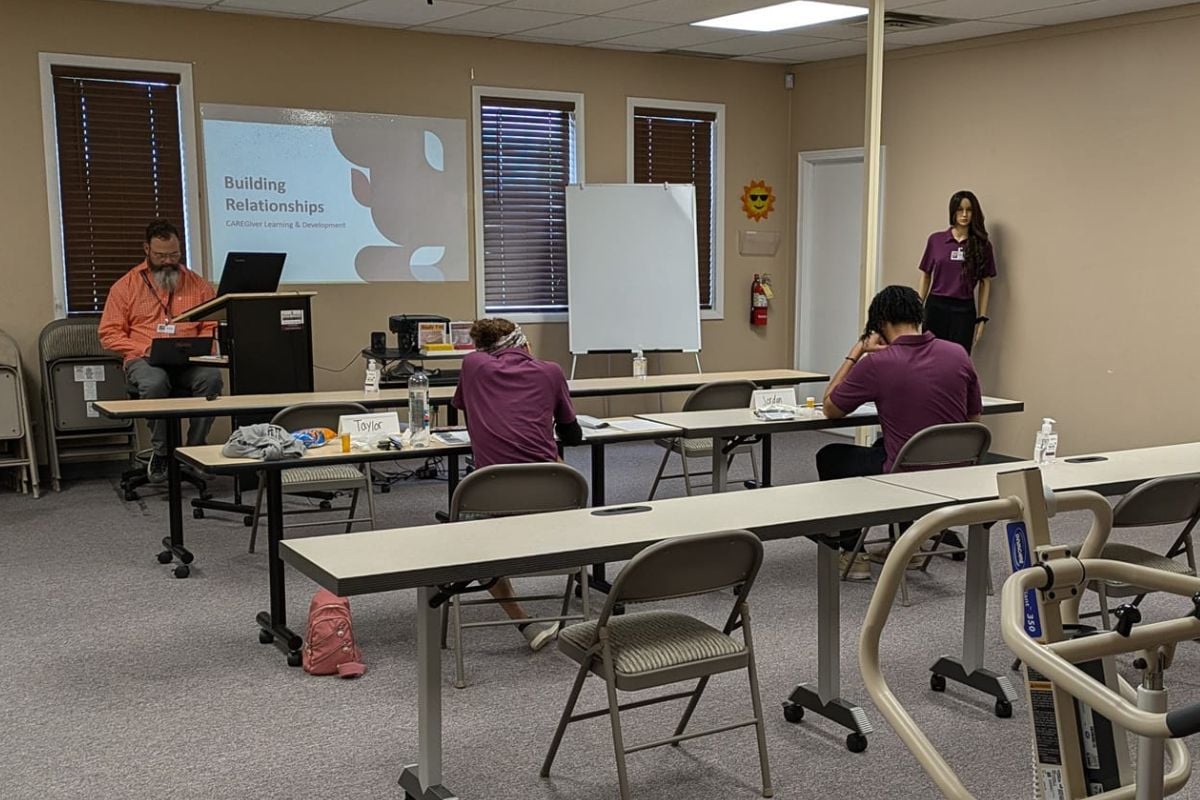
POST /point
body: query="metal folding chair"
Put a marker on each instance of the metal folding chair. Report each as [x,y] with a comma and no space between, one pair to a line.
[15,424]
[709,397]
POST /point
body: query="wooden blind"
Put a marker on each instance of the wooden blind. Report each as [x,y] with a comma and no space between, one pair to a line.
[527,154]
[119,166]
[671,146]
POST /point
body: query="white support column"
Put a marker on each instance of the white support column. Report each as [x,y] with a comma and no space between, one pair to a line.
[872,142]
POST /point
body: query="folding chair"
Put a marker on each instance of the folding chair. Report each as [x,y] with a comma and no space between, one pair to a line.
[1163,501]
[709,397]
[506,490]
[15,424]
[331,478]
[961,444]
[646,649]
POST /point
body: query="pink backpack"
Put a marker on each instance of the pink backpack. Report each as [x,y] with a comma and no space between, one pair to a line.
[329,647]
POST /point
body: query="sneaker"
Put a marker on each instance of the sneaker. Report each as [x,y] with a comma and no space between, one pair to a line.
[860,570]
[156,468]
[880,555]
[539,636]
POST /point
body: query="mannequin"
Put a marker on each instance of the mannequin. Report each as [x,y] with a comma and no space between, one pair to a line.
[957,263]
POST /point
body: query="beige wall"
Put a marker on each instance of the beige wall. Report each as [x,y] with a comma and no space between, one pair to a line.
[1078,141]
[279,62]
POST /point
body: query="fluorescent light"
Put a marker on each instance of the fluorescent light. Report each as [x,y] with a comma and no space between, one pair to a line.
[785,15]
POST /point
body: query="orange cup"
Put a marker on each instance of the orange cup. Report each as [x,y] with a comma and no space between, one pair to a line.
[345,442]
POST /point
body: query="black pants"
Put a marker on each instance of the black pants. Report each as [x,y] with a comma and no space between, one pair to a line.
[836,461]
[951,318]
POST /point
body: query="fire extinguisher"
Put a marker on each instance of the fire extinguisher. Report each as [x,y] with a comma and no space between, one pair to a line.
[758,303]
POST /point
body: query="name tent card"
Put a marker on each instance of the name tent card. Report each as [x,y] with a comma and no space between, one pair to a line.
[369,428]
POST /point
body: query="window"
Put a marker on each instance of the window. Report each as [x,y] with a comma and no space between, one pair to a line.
[681,143]
[527,153]
[115,161]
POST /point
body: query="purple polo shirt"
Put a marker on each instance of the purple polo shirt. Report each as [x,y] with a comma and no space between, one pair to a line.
[943,259]
[512,401]
[918,381]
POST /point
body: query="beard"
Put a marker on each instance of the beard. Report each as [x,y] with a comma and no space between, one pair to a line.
[166,278]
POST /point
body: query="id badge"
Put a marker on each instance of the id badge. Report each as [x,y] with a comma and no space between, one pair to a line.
[165,327]
[957,255]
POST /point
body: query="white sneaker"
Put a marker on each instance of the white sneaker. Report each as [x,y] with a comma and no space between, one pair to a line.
[541,635]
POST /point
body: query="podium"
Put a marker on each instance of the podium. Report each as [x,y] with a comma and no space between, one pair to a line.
[267,339]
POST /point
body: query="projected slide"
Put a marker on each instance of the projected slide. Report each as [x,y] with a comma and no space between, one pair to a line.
[351,198]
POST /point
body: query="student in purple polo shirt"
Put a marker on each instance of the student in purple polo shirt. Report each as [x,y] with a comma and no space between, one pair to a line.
[514,405]
[956,261]
[915,380]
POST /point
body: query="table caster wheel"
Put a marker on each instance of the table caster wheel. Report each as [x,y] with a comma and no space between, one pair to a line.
[265,637]
[248,521]
[384,489]
[131,496]
[187,558]
[856,743]
[958,557]
[294,659]
[182,571]
[792,712]
[164,557]
[1003,709]
[197,513]
[326,505]
[937,682]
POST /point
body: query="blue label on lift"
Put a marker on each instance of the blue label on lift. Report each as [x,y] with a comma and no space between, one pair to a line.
[1018,551]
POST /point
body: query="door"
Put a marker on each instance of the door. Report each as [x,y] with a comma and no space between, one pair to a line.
[828,255]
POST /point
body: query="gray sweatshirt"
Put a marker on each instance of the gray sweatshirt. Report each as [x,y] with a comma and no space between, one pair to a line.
[263,441]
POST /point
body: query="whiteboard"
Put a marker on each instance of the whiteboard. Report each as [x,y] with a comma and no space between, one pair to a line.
[632,275]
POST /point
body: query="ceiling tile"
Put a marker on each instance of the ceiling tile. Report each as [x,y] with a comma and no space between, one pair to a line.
[573,6]
[757,43]
[594,29]
[1081,11]
[392,13]
[689,10]
[982,9]
[833,30]
[675,36]
[948,33]
[183,3]
[819,52]
[306,8]
[499,20]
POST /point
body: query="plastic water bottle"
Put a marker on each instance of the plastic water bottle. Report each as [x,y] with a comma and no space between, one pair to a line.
[371,384]
[418,402]
[1045,444]
[639,364]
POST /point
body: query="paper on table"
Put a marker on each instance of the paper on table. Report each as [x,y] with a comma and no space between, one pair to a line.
[639,425]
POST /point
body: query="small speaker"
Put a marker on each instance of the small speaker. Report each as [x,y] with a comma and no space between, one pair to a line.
[378,341]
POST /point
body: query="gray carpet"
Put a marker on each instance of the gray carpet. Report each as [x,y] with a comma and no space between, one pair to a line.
[119,681]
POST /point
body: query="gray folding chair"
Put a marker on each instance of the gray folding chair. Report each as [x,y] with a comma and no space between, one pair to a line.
[507,490]
[320,479]
[15,424]
[961,444]
[1163,501]
[647,649]
[76,369]
[709,397]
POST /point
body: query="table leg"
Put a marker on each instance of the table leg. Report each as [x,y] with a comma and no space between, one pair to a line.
[718,465]
[451,478]
[969,669]
[173,542]
[273,624]
[423,780]
[824,699]
[766,460]
[598,580]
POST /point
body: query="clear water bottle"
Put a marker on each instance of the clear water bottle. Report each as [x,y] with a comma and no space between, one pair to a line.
[418,402]
[639,364]
[371,383]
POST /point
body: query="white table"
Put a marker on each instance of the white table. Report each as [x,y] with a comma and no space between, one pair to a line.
[424,557]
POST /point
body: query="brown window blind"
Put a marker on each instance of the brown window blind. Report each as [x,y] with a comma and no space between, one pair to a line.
[527,150]
[671,146]
[119,166]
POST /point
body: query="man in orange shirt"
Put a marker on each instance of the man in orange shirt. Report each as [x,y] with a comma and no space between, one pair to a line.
[139,308]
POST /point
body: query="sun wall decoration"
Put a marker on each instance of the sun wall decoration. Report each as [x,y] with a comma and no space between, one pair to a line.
[758,200]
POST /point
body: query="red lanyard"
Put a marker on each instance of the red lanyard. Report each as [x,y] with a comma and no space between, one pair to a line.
[170,297]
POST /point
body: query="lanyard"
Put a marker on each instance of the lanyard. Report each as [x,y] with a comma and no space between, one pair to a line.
[170,297]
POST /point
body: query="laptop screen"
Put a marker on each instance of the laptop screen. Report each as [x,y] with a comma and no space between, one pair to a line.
[251,273]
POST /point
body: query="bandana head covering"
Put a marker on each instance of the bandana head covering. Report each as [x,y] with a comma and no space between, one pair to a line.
[514,339]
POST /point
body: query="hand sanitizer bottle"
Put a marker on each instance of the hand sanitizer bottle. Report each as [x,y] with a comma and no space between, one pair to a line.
[1045,445]
[371,384]
[639,364]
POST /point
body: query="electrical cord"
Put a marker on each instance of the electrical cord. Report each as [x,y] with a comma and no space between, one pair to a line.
[353,358]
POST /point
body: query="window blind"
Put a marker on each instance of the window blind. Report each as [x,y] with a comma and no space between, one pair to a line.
[119,166]
[673,146]
[527,150]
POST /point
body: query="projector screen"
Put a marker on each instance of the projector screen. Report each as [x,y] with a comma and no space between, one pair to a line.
[351,198]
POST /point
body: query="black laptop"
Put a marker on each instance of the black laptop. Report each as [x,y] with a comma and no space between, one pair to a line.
[177,352]
[251,273]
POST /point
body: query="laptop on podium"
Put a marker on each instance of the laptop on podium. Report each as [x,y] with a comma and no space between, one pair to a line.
[251,273]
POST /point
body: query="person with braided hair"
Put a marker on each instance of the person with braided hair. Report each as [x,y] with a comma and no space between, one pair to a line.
[956,263]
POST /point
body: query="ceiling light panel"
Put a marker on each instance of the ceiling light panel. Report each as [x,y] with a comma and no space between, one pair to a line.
[784,16]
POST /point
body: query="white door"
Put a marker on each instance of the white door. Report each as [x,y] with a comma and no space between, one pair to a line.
[828,255]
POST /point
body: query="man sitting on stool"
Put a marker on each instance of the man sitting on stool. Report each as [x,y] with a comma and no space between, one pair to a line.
[139,308]
[915,381]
